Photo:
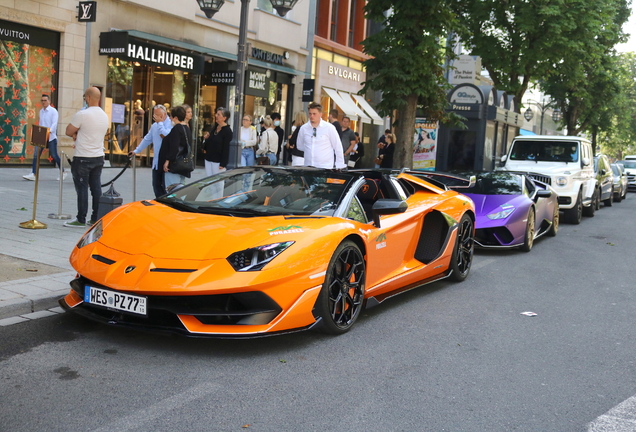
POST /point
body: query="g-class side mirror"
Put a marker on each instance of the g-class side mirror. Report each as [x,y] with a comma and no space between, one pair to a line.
[586,161]
[504,158]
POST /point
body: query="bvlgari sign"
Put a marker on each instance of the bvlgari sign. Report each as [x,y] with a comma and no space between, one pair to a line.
[123,46]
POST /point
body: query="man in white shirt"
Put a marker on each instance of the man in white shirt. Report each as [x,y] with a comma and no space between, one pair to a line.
[159,129]
[48,118]
[320,141]
[88,128]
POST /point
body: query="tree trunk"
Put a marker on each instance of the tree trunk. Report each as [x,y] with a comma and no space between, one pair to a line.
[403,157]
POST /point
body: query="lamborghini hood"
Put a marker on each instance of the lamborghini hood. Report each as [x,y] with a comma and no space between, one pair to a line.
[486,204]
[160,231]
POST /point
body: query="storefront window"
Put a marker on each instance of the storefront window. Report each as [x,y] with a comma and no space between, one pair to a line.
[26,72]
[139,88]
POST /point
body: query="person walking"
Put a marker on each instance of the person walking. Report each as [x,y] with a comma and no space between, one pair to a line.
[348,138]
[248,141]
[333,119]
[217,144]
[297,156]
[88,128]
[320,141]
[276,118]
[386,152]
[358,152]
[159,129]
[269,141]
[48,118]
[178,139]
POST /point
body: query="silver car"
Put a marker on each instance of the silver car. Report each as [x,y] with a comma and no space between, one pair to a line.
[620,181]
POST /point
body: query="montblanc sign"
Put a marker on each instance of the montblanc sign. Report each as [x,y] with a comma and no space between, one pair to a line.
[269,57]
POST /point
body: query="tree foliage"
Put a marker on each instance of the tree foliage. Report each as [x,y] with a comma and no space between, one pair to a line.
[406,64]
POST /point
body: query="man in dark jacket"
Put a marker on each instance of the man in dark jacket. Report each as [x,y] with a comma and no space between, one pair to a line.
[281,134]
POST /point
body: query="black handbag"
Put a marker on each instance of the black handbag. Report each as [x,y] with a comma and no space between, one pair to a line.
[183,164]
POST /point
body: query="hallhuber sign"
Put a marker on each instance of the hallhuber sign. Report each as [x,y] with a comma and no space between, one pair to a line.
[121,45]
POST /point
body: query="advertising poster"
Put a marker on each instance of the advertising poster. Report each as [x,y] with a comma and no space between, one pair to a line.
[425,144]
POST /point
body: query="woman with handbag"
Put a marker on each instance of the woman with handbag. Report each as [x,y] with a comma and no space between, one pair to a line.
[216,147]
[175,155]
[268,147]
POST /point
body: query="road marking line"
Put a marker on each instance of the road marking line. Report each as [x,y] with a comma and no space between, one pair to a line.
[136,420]
[482,263]
[621,418]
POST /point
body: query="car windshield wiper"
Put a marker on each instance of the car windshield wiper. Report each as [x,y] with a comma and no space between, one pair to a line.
[179,205]
[233,211]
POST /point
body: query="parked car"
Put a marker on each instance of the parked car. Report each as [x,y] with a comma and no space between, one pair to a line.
[513,209]
[264,250]
[630,170]
[563,162]
[604,180]
[620,182]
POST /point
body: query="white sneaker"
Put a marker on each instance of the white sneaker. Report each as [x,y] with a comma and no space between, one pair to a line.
[74,224]
[63,176]
[29,176]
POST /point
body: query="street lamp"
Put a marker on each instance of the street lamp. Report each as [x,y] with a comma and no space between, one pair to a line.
[543,107]
[282,7]
[210,7]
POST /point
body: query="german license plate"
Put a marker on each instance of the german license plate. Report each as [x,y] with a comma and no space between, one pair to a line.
[115,300]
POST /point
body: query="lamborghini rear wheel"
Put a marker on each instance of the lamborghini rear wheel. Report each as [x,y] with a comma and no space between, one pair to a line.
[342,295]
[463,252]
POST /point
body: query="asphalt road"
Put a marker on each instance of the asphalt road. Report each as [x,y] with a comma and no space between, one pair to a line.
[444,357]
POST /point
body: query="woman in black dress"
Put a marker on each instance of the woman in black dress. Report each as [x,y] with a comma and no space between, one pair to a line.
[173,143]
[386,152]
[216,146]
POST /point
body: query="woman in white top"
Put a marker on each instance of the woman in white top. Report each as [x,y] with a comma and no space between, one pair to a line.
[269,141]
[248,141]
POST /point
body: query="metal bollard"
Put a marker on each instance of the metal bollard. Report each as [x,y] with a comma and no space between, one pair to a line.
[59,214]
[134,176]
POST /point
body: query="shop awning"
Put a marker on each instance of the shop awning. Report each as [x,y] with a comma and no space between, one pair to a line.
[377,120]
[348,107]
[347,98]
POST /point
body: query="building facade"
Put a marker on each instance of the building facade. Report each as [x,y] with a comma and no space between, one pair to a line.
[142,53]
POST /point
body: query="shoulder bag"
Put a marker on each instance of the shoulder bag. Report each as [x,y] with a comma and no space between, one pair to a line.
[183,163]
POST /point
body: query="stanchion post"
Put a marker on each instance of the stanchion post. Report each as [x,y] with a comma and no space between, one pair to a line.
[59,214]
[39,139]
[134,176]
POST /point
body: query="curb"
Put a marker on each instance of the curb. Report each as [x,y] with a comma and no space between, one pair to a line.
[26,305]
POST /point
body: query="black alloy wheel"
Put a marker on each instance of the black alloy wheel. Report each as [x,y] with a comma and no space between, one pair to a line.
[462,257]
[554,228]
[594,205]
[574,214]
[608,202]
[342,295]
[528,239]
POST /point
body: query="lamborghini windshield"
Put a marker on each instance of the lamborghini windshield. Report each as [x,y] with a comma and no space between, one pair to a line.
[266,191]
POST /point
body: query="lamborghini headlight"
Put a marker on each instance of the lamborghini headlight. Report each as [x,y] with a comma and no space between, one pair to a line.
[502,214]
[94,234]
[254,259]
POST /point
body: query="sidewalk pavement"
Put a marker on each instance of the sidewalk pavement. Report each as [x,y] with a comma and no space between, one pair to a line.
[53,245]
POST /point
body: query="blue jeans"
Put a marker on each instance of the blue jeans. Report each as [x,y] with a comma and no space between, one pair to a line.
[87,174]
[52,152]
[247,157]
[272,158]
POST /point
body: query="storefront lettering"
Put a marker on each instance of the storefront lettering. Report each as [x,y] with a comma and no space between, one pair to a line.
[343,73]
[257,80]
[267,56]
[461,108]
[159,56]
[15,34]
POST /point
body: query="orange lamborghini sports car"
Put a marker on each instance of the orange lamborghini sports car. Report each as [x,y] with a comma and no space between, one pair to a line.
[266,250]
